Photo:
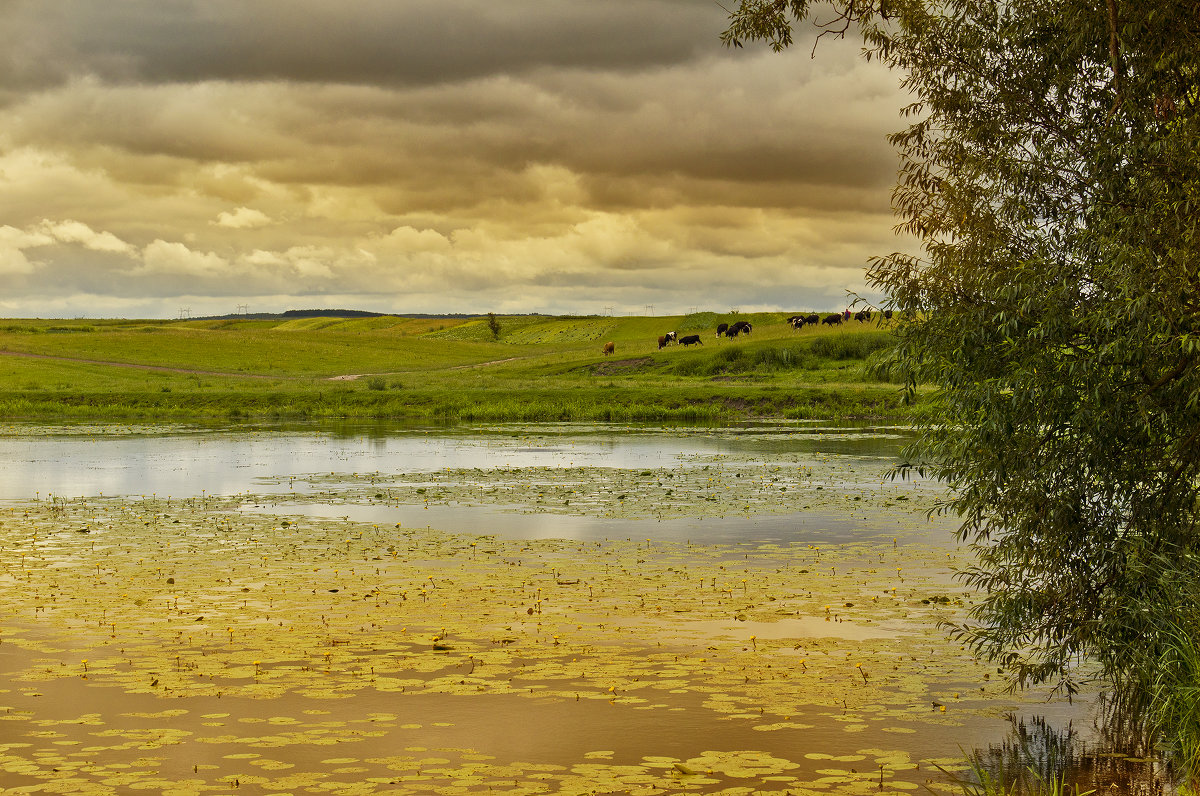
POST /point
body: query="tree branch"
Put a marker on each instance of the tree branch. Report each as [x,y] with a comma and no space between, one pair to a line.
[1114,56]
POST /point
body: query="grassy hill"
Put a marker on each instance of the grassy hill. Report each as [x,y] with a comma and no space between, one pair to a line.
[537,368]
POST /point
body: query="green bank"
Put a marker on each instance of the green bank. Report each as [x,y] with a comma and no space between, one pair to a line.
[517,368]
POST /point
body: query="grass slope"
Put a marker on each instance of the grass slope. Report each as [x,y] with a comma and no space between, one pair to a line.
[537,368]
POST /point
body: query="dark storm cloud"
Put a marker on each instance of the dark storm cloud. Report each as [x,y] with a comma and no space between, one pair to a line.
[377,42]
[515,155]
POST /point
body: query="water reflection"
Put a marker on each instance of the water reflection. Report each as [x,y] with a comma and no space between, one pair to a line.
[191,461]
[1037,751]
[815,527]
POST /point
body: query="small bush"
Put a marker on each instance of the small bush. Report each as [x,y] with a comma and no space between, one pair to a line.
[377,383]
[729,355]
[735,359]
[699,321]
[850,346]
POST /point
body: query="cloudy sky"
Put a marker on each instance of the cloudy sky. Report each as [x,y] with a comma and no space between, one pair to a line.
[549,156]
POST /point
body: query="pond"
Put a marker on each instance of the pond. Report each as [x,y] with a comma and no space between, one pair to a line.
[527,609]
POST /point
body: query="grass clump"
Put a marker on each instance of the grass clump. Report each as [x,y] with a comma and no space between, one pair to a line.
[1174,705]
[850,346]
[744,360]
[1025,782]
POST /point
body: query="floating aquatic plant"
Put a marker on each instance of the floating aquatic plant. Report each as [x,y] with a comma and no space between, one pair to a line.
[200,627]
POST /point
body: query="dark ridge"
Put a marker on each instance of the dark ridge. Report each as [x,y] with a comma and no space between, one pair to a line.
[331,314]
[263,316]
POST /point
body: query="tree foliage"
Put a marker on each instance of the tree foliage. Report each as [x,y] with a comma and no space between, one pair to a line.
[1051,171]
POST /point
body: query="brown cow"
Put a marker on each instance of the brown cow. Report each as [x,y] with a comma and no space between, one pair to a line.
[662,342]
[609,348]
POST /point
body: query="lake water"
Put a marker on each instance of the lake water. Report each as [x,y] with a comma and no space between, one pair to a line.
[187,462]
[281,461]
[812,495]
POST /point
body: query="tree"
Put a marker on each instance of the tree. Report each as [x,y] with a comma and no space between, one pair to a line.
[1051,171]
[494,325]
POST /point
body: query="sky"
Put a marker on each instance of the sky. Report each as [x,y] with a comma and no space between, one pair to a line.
[163,158]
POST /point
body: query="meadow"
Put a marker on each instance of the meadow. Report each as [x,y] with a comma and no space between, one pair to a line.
[537,368]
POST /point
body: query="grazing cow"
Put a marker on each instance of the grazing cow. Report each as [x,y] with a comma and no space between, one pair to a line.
[690,339]
[813,318]
[743,327]
[722,328]
[862,316]
[834,319]
[671,337]
[887,314]
[609,348]
[662,343]
[733,331]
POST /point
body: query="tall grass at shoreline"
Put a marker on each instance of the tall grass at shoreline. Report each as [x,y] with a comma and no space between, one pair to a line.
[1175,706]
[498,405]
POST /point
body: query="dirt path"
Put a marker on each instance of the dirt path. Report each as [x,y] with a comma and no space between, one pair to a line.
[135,366]
[197,372]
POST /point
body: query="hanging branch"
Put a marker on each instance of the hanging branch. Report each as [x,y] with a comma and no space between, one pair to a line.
[1114,56]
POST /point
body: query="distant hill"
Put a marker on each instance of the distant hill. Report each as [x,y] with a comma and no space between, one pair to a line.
[332,313]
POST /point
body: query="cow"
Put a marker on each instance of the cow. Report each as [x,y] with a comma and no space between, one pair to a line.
[743,327]
[662,343]
[833,320]
[671,337]
[887,314]
[813,318]
[733,331]
[722,328]
[609,348]
[690,339]
[862,316]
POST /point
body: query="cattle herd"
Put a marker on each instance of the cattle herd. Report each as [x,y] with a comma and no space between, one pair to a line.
[834,318]
[736,328]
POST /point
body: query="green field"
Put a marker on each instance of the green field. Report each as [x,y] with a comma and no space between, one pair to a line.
[451,369]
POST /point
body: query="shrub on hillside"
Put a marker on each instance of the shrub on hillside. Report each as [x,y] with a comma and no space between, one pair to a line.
[850,346]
